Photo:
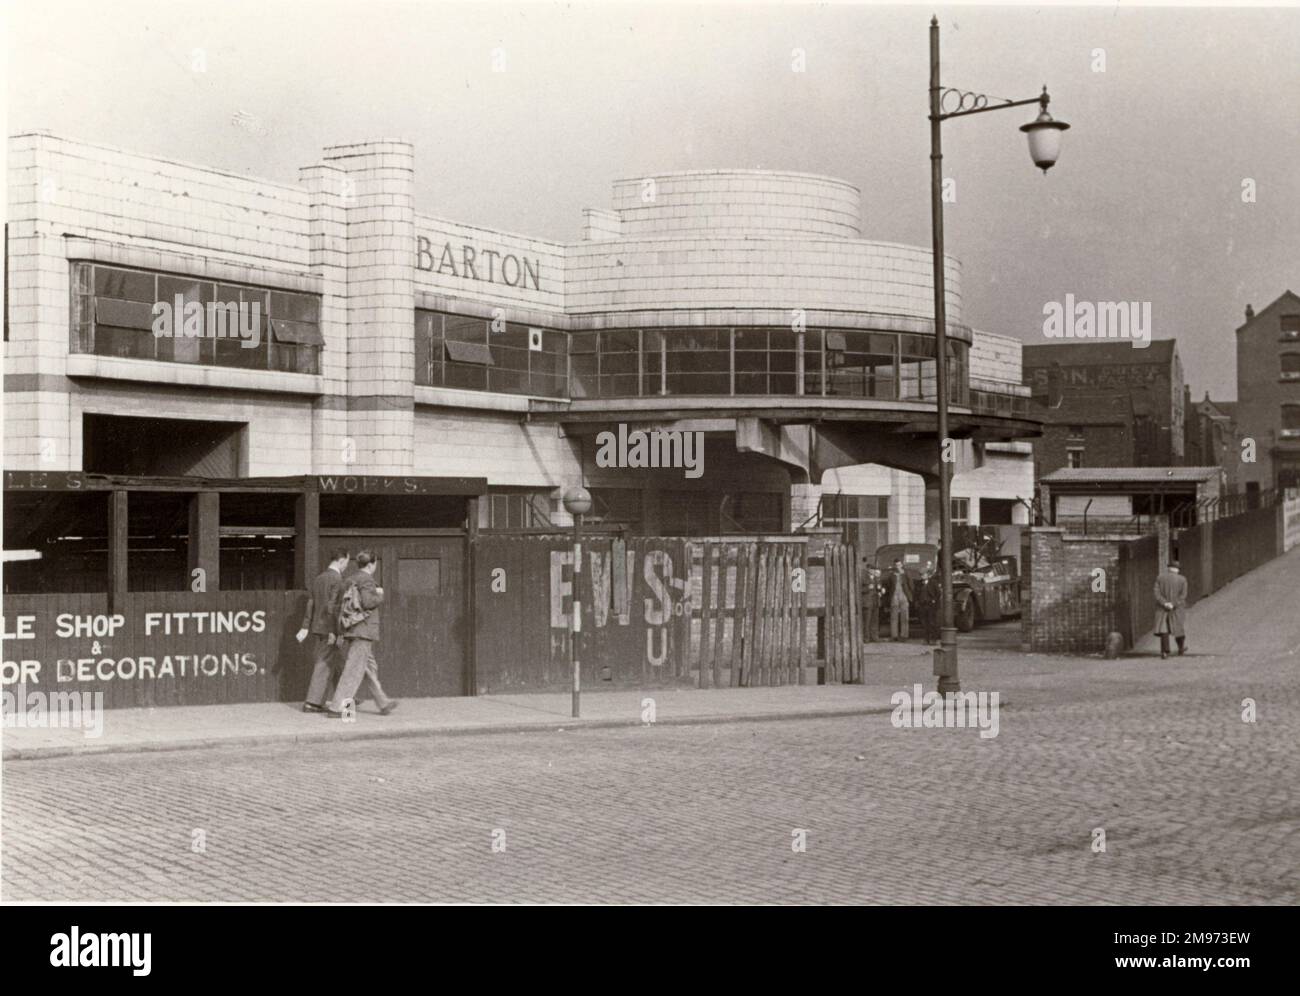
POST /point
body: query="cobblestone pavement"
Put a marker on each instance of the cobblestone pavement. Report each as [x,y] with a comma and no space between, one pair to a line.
[1197,805]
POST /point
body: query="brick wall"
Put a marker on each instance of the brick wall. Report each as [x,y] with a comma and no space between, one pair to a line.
[1103,446]
[1062,613]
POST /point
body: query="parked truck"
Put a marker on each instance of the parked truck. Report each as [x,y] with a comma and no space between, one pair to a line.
[984,588]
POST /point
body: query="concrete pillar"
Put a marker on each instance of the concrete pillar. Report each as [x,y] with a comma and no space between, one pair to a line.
[330,191]
[43,435]
[379,256]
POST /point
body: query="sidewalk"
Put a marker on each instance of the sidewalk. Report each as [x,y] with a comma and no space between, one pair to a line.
[188,727]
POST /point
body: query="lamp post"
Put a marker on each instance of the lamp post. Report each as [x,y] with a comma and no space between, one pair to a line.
[1044,147]
[577,502]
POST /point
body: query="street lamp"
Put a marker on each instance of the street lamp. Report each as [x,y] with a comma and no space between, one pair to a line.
[1044,135]
[577,502]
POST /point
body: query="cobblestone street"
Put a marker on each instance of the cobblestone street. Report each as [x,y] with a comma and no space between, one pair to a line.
[1197,805]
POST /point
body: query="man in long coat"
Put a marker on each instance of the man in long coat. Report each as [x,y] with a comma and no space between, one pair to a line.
[1171,603]
[928,597]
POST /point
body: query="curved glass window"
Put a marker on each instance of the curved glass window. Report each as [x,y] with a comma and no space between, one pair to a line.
[697,361]
[631,363]
[862,364]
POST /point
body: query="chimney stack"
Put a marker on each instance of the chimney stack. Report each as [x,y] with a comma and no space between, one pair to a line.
[1250,312]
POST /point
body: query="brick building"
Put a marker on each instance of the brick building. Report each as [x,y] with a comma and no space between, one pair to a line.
[1268,393]
[742,305]
[1212,437]
[1107,404]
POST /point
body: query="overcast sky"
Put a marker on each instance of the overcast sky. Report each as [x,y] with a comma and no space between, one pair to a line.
[1145,204]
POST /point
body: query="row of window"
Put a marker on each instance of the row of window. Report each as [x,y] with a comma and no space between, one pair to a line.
[138,314]
[477,354]
[755,361]
[117,311]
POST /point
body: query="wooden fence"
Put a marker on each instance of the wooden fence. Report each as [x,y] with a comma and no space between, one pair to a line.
[717,612]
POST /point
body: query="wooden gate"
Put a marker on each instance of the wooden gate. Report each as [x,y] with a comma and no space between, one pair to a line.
[754,605]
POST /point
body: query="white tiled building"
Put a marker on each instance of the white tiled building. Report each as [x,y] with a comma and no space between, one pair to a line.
[742,304]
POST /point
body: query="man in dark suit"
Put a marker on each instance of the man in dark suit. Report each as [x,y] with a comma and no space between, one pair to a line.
[898,589]
[321,622]
[927,603]
[1171,602]
[871,601]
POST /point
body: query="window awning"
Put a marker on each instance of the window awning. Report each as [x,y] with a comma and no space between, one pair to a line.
[297,333]
[469,352]
[123,314]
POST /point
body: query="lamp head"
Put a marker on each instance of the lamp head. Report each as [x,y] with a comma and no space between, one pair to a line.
[577,500]
[1044,134]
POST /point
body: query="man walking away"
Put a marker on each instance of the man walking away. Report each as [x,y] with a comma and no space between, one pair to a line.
[1171,601]
[871,602]
[359,625]
[927,603]
[321,621]
[898,588]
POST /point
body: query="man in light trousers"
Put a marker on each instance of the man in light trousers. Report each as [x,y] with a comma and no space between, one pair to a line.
[899,589]
[359,639]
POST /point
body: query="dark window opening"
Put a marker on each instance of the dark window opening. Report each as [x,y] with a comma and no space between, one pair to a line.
[61,538]
[157,541]
[997,511]
[751,512]
[257,541]
[161,447]
[617,508]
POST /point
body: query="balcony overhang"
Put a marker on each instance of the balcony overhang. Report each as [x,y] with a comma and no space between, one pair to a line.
[905,418]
